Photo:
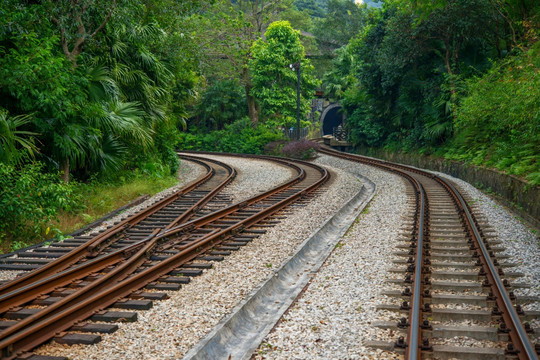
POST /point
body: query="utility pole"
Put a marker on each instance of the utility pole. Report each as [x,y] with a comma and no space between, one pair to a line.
[296,66]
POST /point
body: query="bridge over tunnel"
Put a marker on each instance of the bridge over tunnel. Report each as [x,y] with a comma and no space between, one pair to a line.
[331,118]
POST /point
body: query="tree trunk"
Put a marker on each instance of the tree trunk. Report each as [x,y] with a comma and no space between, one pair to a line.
[72,56]
[449,67]
[451,76]
[498,40]
[64,171]
[252,104]
[524,11]
[252,107]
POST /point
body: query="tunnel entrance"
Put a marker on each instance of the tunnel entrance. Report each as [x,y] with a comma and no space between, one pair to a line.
[331,118]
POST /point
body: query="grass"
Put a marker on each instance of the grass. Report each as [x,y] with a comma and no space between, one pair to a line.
[100,199]
[95,200]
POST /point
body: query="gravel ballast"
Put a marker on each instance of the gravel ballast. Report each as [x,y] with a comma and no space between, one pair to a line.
[522,244]
[188,173]
[336,313]
[173,326]
[240,333]
[254,175]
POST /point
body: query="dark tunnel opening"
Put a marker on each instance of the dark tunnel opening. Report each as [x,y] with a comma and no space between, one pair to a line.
[331,120]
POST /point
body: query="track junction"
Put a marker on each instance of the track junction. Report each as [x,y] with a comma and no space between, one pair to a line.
[79,278]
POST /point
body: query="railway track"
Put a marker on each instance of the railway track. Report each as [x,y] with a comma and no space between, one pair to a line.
[452,275]
[154,249]
[169,211]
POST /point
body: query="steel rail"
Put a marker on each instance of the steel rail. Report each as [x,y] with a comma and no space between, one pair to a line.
[266,212]
[45,324]
[518,335]
[415,312]
[31,291]
[189,213]
[415,331]
[120,283]
[42,285]
[92,245]
[235,207]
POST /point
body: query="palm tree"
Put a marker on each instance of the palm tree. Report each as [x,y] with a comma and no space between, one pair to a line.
[112,128]
[99,138]
[15,144]
[339,78]
[139,74]
[129,88]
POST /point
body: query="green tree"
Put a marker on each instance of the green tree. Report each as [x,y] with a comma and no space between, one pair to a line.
[340,78]
[221,104]
[101,79]
[343,20]
[78,22]
[410,67]
[274,84]
[498,120]
[225,36]
[314,8]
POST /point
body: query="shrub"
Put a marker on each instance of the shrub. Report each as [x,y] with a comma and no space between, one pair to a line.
[274,147]
[29,201]
[302,149]
[220,104]
[498,120]
[238,137]
[165,142]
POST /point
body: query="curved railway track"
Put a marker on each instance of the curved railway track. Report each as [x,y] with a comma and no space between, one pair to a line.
[151,249]
[447,255]
[172,210]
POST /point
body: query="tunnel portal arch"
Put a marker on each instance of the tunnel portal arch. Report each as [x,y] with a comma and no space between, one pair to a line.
[331,118]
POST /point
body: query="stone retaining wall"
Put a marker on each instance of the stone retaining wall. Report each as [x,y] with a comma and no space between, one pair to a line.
[513,192]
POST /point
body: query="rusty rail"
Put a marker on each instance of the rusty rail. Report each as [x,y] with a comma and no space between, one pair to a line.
[519,338]
[41,282]
[188,214]
[518,335]
[122,281]
[93,244]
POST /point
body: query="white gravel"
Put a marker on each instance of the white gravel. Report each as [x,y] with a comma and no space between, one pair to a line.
[187,173]
[8,275]
[254,175]
[522,244]
[172,326]
[334,316]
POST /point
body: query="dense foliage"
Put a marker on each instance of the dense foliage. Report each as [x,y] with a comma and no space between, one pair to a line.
[238,137]
[95,89]
[274,84]
[29,201]
[88,90]
[498,121]
[452,77]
